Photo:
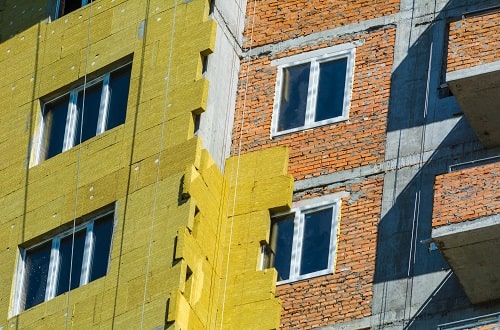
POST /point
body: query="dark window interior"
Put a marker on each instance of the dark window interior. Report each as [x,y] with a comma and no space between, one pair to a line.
[282,240]
[37,269]
[88,108]
[67,6]
[65,262]
[119,84]
[103,230]
[330,100]
[55,115]
[293,102]
[316,241]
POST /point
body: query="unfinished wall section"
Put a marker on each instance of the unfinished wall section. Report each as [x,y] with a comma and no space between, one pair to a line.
[272,21]
[222,67]
[338,159]
[358,141]
[187,239]
[135,168]
[473,41]
[220,251]
[466,195]
[346,294]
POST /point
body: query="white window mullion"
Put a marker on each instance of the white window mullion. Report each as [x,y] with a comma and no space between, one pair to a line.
[296,245]
[333,236]
[104,106]
[87,254]
[277,101]
[349,82]
[52,276]
[71,122]
[312,93]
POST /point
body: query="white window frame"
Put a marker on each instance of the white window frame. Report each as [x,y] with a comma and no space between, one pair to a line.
[54,263]
[315,58]
[300,211]
[73,115]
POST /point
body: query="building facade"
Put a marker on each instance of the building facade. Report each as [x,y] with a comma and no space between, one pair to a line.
[389,114]
[195,164]
[118,197]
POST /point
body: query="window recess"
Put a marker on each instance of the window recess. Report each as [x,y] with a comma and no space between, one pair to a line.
[312,89]
[64,262]
[303,242]
[83,113]
[64,7]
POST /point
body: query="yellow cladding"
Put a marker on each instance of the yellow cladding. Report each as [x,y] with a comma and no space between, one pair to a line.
[186,243]
[221,253]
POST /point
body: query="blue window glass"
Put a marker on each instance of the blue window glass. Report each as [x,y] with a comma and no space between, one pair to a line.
[55,116]
[103,230]
[331,87]
[313,92]
[293,101]
[67,6]
[282,233]
[301,243]
[65,262]
[65,265]
[316,241]
[88,108]
[119,86]
[94,108]
[37,270]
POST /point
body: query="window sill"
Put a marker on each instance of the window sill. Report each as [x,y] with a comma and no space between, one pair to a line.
[305,277]
[312,126]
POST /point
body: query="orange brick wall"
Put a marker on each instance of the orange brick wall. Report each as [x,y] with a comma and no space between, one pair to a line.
[345,295]
[466,195]
[271,21]
[474,41]
[356,142]
[488,327]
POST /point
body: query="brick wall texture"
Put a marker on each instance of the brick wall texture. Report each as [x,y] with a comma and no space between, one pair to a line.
[346,294]
[473,41]
[466,195]
[271,21]
[344,145]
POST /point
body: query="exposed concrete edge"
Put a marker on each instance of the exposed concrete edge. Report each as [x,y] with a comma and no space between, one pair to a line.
[457,228]
[230,35]
[372,24]
[472,72]
[363,323]
[446,155]
[404,14]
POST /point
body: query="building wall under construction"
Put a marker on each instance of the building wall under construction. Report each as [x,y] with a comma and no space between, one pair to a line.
[183,232]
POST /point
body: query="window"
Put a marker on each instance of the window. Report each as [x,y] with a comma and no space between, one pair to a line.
[64,262]
[312,89]
[83,113]
[303,242]
[64,7]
